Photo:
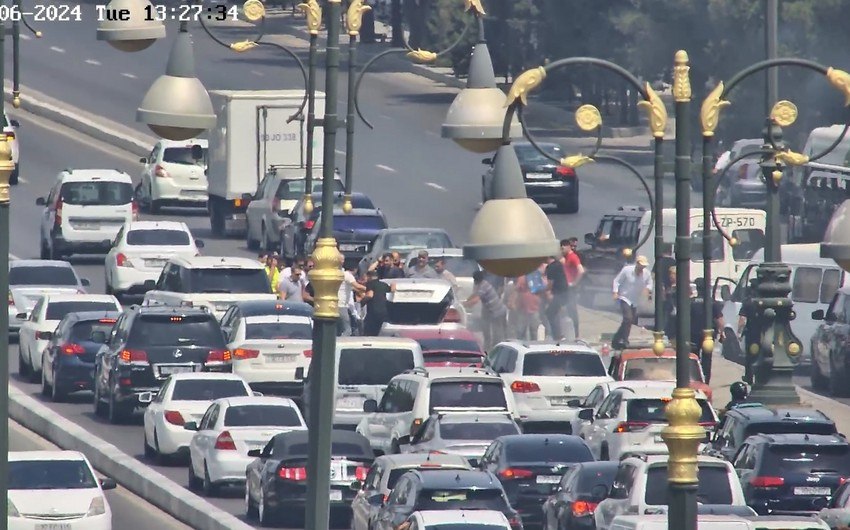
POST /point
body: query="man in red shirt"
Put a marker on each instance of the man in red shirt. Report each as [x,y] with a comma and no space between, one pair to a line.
[574,270]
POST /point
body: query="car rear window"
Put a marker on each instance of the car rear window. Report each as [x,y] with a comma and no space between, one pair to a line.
[657,369]
[467,394]
[261,416]
[302,329]
[228,280]
[806,459]
[183,155]
[805,286]
[801,427]
[58,310]
[544,450]
[418,240]
[441,344]
[168,330]
[82,331]
[42,275]
[158,237]
[829,285]
[338,449]
[50,475]
[652,410]
[714,485]
[291,190]
[590,478]
[476,431]
[92,193]
[350,223]
[461,499]
[372,366]
[460,267]
[563,364]
[207,389]
[529,156]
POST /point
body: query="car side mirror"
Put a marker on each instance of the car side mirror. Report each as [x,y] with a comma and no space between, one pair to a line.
[257,394]
[107,483]
[41,201]
[355,486]
[255,453]
[817,314]
[585,414]
[574,403]
[247,197]
[487,161]
[199,243]
[14,123]
[150,285]
[299,373]
[143,160]
[98,336]
[85,282]
[725,293]
[589,238]
[370,405]
[191,426]
[145,397]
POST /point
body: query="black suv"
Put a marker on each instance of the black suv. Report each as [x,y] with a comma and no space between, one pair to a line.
[747,420]
[69,356]
[355,233]
[294,234]
[791,473]
[149,343]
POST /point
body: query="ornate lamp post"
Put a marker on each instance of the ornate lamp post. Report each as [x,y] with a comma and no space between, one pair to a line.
[772,350]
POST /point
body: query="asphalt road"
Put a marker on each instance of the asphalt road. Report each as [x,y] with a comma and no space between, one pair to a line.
[129,512]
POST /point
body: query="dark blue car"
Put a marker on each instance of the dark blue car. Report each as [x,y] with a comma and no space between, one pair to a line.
[68,364]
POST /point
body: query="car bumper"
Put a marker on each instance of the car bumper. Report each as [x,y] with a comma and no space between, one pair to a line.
[165,189]
[96,522]
[227,468]
[554,190]
[74,377]
[264,375]
[131,280]
[796,505]
[173,439]
[97,243]
[14,322]
[551,420]
[348,420]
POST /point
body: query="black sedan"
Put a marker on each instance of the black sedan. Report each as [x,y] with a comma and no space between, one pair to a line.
[276,482]
[546,181]
[573,503]
[355,232]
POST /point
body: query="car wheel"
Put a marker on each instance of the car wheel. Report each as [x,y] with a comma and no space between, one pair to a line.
[35,373]
[819,381]
[23,366]
[250,506]
[266,518]
[45,388]
[57,393]
[194,482]
[116,413]
[99,407]
[151,453]
[252,244]
[216,220]
[210,488]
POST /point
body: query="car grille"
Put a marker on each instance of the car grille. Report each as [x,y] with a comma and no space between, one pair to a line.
[53,516]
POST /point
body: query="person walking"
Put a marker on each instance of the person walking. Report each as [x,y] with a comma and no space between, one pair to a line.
[494,313]
[574,270]
[633,281]
[556,296]
[375,300]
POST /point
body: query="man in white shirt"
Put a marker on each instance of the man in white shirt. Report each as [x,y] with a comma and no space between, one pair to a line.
[346,296]
[632,281]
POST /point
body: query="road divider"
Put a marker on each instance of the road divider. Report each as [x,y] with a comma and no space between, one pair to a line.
[152,486]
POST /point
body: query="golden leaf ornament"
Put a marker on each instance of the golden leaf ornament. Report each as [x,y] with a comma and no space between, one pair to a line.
[313,11]
[574,161]
[784,113]
[475,5]
[790,158]
[710,110]
[243,46]
[423,56]
[840,80]
[525,83]
[354,16]
[588,118]
[656,111]
[681,79]
[253,10]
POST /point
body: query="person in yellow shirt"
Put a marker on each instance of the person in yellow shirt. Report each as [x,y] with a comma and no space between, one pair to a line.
[273,271]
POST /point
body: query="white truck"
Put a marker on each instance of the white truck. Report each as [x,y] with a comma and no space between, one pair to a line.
[251,138]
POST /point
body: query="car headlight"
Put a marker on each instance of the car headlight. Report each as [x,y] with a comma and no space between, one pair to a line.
[97,507]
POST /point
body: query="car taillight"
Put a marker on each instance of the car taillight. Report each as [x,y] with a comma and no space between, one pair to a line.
[842,480]
[767,482]
[42,335]
[308,354]
[361,472]
[122,261]
[174,417]
[292,473]
[524,387]
[160,171]
[417,422]
[565,172]
[72,349]
[631,426]
[515,523]
[57,219]
[135,211]
[224,442]
[452,316]
[708,425]
[308,225]
[514,473]
[242,353]
[133,356]
[584,508]
[219,356]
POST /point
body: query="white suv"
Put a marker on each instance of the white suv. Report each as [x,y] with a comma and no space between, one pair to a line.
[84,211]
[640,487]
[175,173]
[631,420]
[544,377]
[415,395]
[10,129]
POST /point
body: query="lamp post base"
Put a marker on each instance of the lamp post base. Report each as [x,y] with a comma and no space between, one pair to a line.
[780,390]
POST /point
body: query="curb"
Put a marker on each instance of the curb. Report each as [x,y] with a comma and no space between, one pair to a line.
[126,470]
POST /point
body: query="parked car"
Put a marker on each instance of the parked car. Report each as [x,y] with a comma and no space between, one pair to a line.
[574,500]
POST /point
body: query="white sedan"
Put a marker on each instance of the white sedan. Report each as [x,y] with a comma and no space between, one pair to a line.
[141,249]
[183,398]
[49,486]
[230,428]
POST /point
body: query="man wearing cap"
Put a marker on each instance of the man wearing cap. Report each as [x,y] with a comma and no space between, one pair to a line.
[421,269]
[631,282]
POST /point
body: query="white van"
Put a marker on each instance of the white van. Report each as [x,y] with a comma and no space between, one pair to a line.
[364,368]
[814,281]
[744,224]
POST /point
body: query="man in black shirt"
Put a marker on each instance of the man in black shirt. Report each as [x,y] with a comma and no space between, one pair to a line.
[376,304]
[557,295]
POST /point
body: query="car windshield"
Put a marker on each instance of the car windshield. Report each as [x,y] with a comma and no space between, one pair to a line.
[713,487]
[372,366]
[207,389]
[750,241]
[183,156]
[158,237]
[449,344]
[807,459]
[228,280]
[715,243]
[461,499]
[401,241]
[529,156]
[167,330]
[795,427]
[50,475]
[467,394]
[82,331]
[293,189]
[261,416]
[92,193]
[657,369]
[284,328]
[591,477]
[42,275]
[460,267]
[476,430]
[351,223]
[563,364]
[542,450]
[58,310]
[652,410]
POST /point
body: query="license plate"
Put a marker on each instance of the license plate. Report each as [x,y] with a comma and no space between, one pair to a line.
[805,490]
[559,401]
[169,370]
[538,176]
[349,248]
[412,295]
[55,526]
[154,262]
[269,358]
[548,479]
[336,495]
[338,472]
[350,403]
[193,193]
[84,226]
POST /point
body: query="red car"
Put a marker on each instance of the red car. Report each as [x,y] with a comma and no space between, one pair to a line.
[447,347]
